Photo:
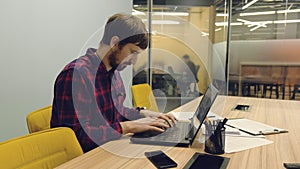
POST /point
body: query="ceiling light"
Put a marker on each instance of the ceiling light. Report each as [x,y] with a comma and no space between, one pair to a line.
[216,30]
[172,13]
[162,22]
[204,34]
[136,12]
[287,21]
[222,14]
[257,13]
[289,11]
[254,25]
[249,4]
[226,23]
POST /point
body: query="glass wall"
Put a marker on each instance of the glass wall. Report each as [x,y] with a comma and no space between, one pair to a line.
[264,56]
[183,56]
[245,47]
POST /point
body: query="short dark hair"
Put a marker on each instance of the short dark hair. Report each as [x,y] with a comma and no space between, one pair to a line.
[129,29]
[185,56]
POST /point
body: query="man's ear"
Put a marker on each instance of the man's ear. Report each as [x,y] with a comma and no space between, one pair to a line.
[114,41]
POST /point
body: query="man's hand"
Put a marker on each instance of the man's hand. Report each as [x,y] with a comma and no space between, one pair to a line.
[168,118]
[144,124]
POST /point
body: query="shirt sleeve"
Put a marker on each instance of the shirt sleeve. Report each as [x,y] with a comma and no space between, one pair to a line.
[130,114]
[119,96]
[74,107]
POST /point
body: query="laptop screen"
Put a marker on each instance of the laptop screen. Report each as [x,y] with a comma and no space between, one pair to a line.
[203,109]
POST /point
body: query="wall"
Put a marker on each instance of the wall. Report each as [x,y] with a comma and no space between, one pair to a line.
[38,38]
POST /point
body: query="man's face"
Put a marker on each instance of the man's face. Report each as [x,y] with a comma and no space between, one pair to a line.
[186,60]
[120,58]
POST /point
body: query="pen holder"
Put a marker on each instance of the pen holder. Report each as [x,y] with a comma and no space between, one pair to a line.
[214,140]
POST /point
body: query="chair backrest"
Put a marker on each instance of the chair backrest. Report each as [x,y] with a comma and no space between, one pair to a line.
[143,97]
[39,119]
[44,150]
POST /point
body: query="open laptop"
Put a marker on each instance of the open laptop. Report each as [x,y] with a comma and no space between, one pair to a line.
[184,132]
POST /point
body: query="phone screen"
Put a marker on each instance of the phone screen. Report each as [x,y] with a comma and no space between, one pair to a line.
[206,161]
[160,159]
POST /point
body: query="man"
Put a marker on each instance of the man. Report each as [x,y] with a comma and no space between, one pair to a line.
[193,69]
[89,92]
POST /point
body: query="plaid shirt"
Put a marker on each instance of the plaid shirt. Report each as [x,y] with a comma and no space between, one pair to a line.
[89,99]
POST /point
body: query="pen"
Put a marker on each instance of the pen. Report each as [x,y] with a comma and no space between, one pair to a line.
[208,126]
[224,122]
[220,125]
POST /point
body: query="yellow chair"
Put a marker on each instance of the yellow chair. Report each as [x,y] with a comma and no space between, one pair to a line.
[143,97]
[39,119]
[43,150]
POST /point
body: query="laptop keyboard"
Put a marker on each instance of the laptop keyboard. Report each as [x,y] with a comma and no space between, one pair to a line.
[175,133]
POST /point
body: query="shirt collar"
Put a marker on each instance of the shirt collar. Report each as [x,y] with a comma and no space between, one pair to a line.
[95,60]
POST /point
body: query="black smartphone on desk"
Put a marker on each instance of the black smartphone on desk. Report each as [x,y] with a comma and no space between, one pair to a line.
[160,159]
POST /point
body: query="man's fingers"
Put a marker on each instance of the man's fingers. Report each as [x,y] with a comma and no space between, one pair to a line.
[166,120]
[153,128]
[172,117]
[170,120]
[160,124]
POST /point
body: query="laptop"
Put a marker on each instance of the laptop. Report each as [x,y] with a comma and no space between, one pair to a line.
[183,133]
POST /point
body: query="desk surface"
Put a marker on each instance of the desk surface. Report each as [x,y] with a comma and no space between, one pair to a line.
[280,113]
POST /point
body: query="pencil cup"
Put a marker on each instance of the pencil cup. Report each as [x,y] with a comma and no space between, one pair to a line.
[215,140]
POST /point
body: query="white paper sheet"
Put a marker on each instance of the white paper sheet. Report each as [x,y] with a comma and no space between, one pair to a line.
[254,127]
[186,116]
[234,132]
[236,144]
[236,140]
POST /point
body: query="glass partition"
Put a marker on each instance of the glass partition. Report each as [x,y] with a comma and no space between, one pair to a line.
[187,51]
[264,54]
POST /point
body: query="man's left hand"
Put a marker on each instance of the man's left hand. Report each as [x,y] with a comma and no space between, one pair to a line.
[168,117]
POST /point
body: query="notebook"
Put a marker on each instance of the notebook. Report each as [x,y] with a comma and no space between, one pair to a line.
[184,132]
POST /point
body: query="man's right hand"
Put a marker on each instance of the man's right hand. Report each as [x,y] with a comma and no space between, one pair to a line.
[144,124]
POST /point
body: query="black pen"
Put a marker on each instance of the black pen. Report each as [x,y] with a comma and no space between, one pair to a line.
[224,122]
[220,125]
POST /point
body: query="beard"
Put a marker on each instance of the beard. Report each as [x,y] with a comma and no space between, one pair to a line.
[113,61]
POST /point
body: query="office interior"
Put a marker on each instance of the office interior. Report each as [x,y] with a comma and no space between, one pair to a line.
[235,47]
[245,48]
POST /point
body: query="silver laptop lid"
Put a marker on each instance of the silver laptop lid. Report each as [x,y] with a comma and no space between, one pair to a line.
[203,109]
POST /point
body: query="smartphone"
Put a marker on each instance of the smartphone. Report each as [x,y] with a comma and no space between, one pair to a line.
[160,159]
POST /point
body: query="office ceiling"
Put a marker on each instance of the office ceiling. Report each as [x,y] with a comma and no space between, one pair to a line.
[253,27]
[259,5]
[237,5]
[175,2]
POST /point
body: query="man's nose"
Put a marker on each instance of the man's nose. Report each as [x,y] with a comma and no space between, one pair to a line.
[133,59]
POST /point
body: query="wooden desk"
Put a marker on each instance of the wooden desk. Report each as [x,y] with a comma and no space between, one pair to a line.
[280,113]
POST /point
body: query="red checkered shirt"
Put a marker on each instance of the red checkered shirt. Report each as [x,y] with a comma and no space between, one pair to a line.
[89,99]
